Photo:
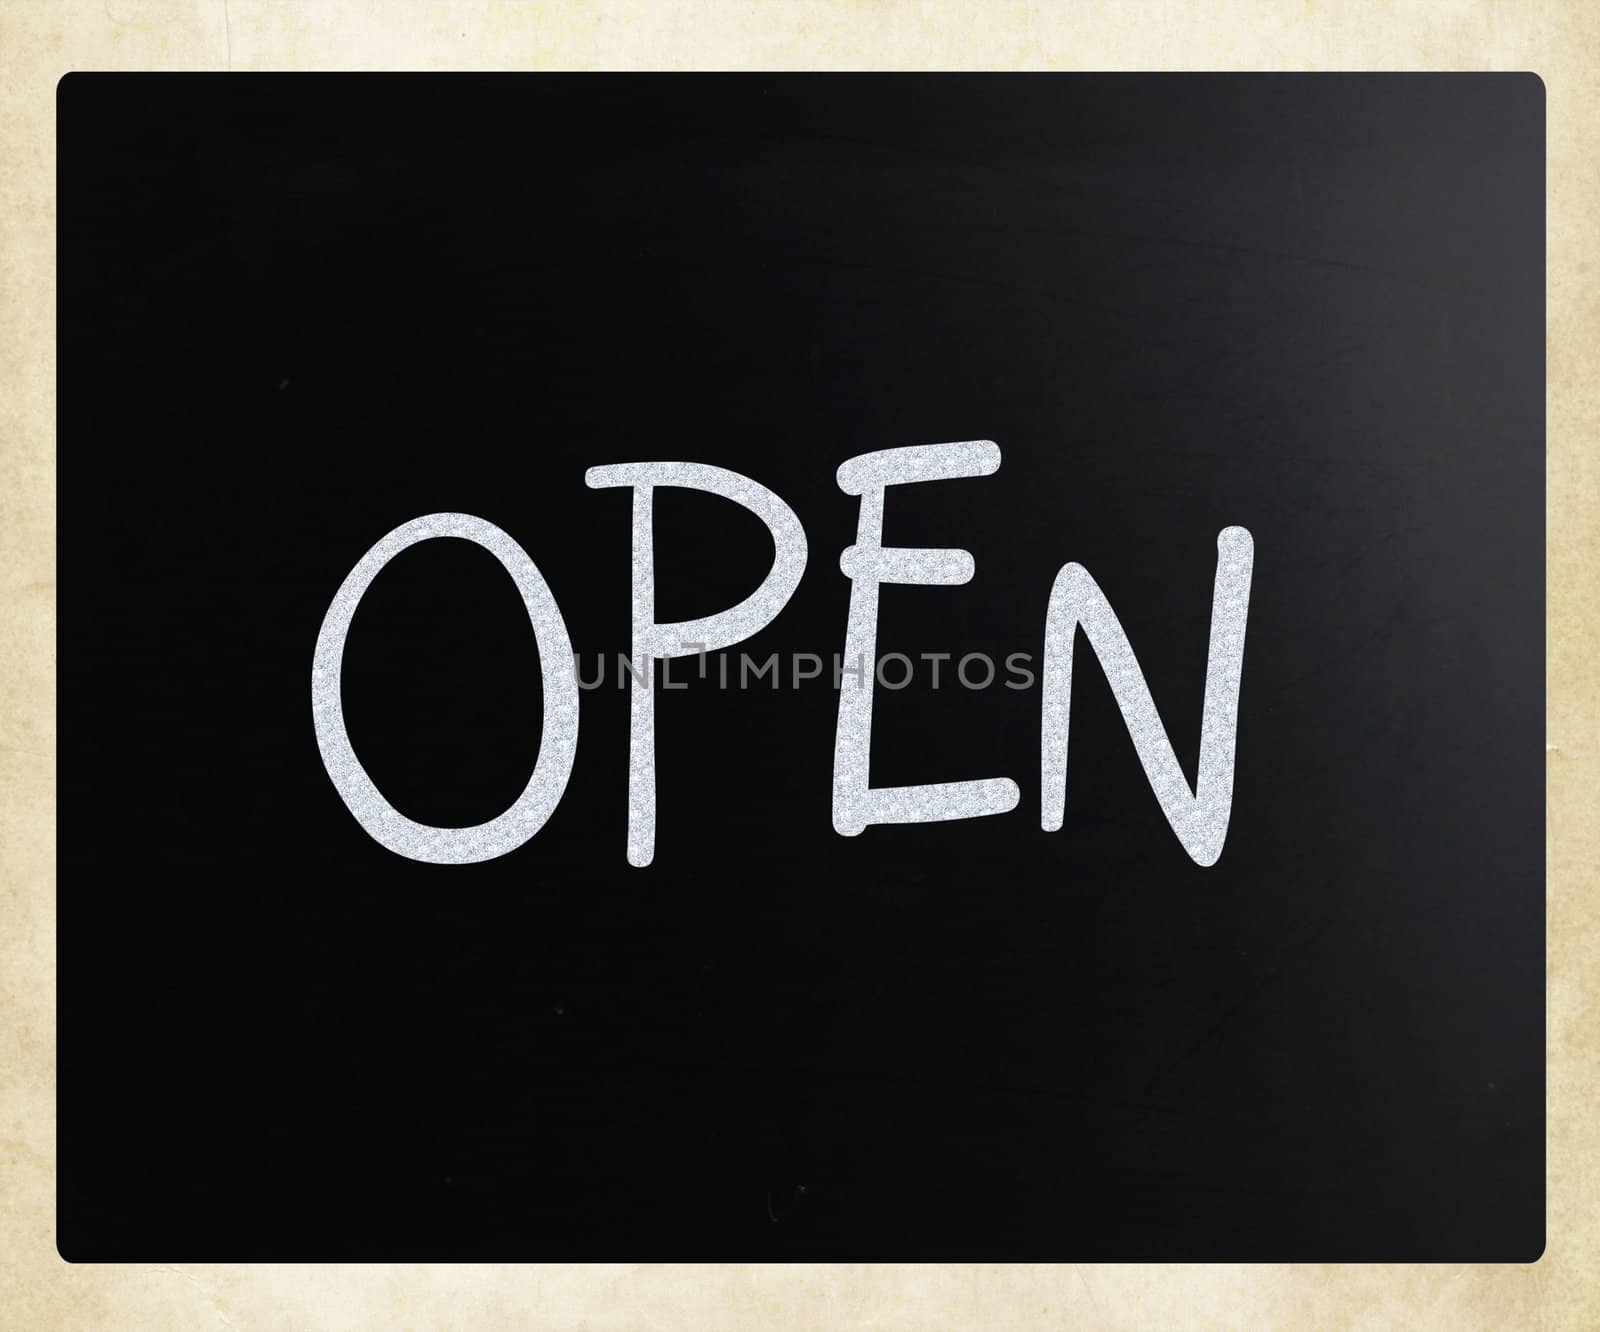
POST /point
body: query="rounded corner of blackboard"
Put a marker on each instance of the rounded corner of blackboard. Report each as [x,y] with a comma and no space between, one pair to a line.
[67,1253]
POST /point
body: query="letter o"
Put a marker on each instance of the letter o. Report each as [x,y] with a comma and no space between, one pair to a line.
[904,679]
[961,670]
[558,740]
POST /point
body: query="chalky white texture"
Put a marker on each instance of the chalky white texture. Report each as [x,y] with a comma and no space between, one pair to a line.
[656,642]
[1199,818]
[867,564]
[558,741]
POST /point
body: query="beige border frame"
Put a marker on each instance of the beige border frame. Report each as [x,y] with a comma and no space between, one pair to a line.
[41,39]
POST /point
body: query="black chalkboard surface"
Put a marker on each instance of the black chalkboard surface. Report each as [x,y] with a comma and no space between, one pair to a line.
[297,312]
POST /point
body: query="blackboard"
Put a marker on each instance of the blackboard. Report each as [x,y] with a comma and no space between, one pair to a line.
[297,312]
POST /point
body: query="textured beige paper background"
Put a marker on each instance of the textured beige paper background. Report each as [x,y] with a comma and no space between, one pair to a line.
[41,39]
